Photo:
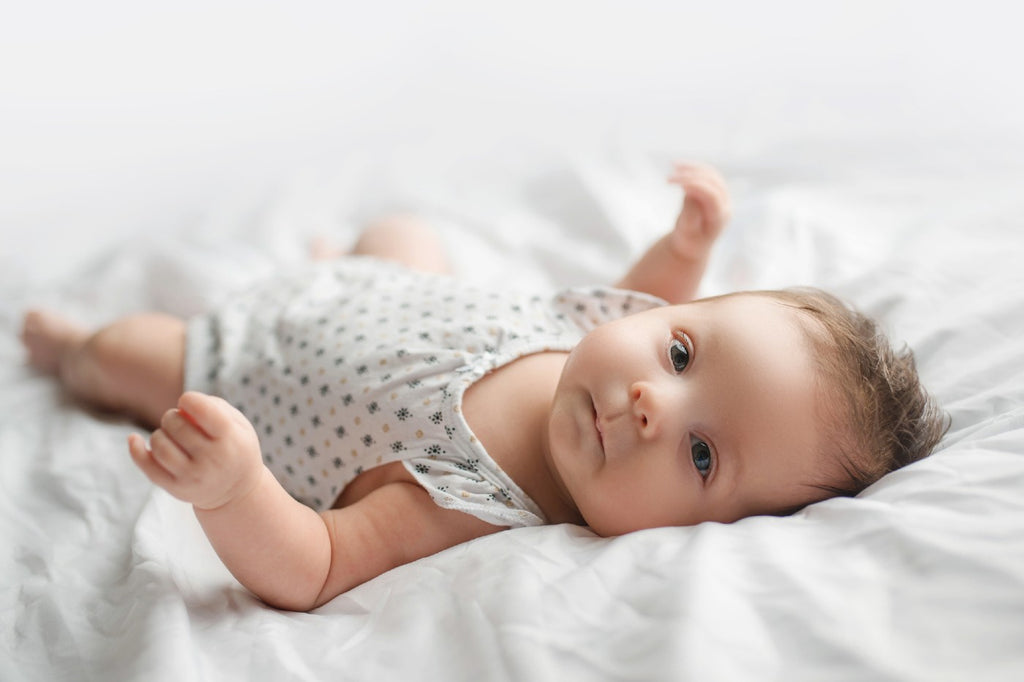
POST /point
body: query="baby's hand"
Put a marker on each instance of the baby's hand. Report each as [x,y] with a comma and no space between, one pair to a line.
[205,452]
[705,209]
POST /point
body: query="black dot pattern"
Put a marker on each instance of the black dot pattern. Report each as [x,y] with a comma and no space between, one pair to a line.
[345,366]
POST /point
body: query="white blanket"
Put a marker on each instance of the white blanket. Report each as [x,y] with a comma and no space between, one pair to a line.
[919,578]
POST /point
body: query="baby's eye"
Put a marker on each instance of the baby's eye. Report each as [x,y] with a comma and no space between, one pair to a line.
[679,354]
[701,453]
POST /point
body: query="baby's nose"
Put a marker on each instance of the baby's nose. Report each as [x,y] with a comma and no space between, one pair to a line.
[648,408]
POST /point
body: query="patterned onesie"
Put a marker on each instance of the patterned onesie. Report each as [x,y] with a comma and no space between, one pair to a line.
[348,365]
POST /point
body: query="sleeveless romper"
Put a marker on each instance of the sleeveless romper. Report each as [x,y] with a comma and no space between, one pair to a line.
[348,365]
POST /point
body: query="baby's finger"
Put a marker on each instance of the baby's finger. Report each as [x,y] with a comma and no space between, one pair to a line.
[693,169]
[710,191]
[696,175]
[694,164]
[697,170]
[143,459]
[681,174]
[706,193]
[691,165]
[184,432]
[168,454]
[692,180]
[210,414]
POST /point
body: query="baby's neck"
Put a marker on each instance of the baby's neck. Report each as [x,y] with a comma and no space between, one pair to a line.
[508,412]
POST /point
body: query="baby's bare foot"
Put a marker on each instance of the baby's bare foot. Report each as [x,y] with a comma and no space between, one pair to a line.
[48,338]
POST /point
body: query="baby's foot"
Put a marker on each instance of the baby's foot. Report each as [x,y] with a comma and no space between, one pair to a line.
[49,338]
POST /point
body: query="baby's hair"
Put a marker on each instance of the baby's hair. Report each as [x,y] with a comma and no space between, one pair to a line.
[884,418]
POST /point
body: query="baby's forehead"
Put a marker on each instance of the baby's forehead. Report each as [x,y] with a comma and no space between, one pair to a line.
[794,332]
[745,314]
[748,300]
[769,393]
[768,324]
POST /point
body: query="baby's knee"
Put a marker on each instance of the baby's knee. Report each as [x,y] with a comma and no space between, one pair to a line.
[406,239]
[398,228]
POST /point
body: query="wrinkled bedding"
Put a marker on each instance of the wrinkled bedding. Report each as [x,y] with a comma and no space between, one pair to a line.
[922,576]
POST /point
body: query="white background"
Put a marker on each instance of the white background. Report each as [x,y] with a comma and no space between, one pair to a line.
[126,117]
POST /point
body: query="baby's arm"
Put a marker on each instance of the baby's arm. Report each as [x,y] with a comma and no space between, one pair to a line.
[206,453]
[673,266]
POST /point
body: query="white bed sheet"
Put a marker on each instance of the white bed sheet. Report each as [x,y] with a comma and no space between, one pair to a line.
[920,578]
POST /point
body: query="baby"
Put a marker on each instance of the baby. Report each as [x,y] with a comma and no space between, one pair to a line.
[369,413]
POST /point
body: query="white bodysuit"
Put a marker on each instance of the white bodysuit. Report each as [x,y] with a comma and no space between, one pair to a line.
[348,365]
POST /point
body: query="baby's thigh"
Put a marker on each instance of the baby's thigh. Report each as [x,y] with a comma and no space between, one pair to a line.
[140,362]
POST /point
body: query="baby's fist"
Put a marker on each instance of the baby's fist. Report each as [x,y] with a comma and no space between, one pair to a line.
[205,452]
[705,210]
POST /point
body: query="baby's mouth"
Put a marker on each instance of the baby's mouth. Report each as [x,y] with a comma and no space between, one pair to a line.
[597,427]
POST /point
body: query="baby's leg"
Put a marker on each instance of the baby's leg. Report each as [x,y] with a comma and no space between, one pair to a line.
[403,238]
[134,366]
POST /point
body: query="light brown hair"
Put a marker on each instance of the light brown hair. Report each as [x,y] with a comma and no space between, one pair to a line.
[880,416]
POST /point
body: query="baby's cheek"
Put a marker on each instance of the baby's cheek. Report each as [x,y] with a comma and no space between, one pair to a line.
[605,348]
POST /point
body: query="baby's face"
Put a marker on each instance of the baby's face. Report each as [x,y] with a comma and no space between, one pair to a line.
[689,413]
